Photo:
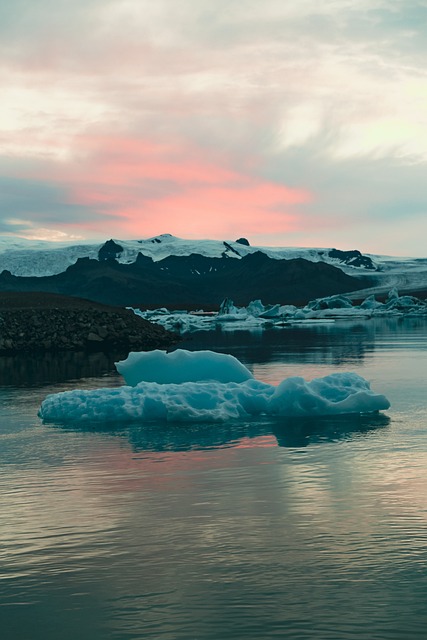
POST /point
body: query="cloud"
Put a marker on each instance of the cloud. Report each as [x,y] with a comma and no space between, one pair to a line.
[237,101]
[46,200]
[144,187]
[42,209]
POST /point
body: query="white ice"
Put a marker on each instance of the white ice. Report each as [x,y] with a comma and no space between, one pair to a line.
[256,316]
[181,400]
[181,366]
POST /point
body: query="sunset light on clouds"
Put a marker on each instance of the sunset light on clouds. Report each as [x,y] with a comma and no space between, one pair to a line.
[294,124]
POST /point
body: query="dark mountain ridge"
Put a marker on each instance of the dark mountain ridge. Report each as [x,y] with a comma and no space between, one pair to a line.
[191,281]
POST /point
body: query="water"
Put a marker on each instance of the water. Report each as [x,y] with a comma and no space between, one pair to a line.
[310,529]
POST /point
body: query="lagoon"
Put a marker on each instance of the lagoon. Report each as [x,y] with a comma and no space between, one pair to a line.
[297,529]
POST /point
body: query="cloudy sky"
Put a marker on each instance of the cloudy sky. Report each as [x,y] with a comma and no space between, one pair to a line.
[294,123]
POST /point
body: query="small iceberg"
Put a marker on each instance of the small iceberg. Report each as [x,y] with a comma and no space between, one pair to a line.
[205,386]
[181,366]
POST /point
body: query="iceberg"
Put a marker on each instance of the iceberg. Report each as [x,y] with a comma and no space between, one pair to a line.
[181,366]
[336,394]
[331,302]
[227,308]
[257,316]
[154,402]
[167,388]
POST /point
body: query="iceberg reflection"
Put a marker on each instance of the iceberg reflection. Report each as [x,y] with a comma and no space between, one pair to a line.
[287,432]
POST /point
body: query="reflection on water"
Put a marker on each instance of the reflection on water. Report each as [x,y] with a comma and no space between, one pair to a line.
[299,529]
[26,370]
[302,432]
[341,343]
[330,343]
[345,343]
[287,432]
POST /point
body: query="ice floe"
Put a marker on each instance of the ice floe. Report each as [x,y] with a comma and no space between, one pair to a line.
[258,316]
[165,390]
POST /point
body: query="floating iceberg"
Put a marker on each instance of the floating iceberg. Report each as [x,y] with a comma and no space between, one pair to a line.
[181,366]
[257,316]
[331,302]
[226,391]
[338,393]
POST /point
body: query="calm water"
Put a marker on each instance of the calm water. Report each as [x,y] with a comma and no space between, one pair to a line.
[310,529]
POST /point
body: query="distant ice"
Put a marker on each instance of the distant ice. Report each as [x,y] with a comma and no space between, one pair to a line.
[257,316]
[179,399]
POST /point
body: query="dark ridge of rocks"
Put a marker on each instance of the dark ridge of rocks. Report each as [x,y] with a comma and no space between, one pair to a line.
[352,258]
[47,322]
[228,247]
[42,300]
[243,241]
[194,281]
[110,250]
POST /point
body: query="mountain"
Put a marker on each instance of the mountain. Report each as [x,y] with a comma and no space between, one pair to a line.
[189,281]
[173,272]
[41,258]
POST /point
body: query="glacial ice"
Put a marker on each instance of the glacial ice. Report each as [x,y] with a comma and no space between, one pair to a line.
[256,316]
[174,395]
[181,366]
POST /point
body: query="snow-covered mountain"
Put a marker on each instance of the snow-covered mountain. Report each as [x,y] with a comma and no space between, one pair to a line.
[43,258]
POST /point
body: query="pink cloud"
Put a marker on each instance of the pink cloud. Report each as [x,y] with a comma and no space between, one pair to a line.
[177,188]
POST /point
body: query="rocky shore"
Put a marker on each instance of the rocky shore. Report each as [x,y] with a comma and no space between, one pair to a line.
[31,322]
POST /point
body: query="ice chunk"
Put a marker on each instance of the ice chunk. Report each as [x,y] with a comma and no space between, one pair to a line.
[332,302]
[255,308]
[338,393]
[393,294]
[230,313]
[181,366]
[153,402]
[256,316]
[271,311]
[371,303]
[172,397]
[404,303]
[227,308]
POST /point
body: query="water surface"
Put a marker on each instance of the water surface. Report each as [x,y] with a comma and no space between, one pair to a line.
[303,529]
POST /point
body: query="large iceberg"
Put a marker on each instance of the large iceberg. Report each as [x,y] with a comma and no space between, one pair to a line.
[174,396]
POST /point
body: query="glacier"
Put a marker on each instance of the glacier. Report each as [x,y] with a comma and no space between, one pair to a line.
[213,398]
[43,258]
[49,258]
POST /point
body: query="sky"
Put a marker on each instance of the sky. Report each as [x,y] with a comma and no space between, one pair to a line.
[288,123]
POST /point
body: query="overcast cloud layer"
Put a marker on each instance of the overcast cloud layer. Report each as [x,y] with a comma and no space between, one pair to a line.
[291,123]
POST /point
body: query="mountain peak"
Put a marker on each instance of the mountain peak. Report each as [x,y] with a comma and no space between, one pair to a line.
[110,250]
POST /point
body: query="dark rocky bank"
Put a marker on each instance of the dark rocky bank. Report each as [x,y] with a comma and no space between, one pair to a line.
[31,322]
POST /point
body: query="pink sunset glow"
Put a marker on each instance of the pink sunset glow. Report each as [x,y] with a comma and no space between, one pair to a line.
[144,188]
[293,123]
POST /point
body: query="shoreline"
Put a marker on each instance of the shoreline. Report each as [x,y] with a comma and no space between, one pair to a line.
[40,322]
